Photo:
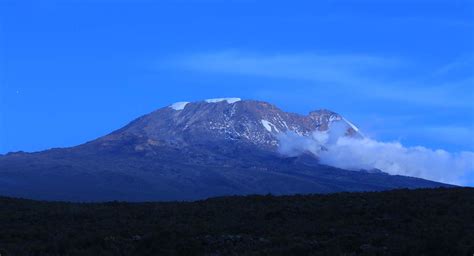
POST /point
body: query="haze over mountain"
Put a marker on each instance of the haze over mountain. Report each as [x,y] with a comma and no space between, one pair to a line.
[196,150]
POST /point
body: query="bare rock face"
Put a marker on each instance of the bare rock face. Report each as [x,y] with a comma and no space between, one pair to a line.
[189,151]
[243,121]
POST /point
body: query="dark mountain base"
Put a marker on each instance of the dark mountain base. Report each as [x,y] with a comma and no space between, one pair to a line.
[203,150]
[400,222]
[176,174]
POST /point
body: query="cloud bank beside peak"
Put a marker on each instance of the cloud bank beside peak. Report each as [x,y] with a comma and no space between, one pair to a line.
[390,157]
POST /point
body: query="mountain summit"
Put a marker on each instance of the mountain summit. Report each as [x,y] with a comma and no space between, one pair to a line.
[255,123]
[193,150]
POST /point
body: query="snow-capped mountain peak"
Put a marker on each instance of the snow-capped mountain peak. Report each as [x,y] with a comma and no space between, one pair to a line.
[244,121]
[194,150]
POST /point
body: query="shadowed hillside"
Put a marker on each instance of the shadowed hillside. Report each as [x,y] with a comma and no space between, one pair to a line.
[400,222]
[194,151]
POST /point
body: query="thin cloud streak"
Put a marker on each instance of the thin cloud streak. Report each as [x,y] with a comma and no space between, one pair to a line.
[371,77]
[331,69]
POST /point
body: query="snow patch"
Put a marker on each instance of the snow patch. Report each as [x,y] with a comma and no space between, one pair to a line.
[229,100]
[269,126]
[333,118]
[351,125]
[179,105]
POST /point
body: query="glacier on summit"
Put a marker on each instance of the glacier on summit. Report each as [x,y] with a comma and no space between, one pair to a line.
[179,105]
[228,100]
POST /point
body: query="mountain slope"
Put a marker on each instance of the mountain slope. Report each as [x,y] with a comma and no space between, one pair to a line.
[190,151]
[247,121]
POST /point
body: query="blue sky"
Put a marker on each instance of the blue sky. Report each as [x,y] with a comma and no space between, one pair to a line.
[72,70]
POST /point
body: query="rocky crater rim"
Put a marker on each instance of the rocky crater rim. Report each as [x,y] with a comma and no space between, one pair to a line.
[180,105]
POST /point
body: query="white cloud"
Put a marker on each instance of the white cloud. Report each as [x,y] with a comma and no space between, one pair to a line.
[307,66]
[367,76]
[391,157]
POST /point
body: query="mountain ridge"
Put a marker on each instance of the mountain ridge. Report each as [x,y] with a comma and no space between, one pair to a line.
[253,121]
[200,149]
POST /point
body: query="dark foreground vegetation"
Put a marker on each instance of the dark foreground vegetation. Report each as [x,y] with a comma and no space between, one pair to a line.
[401,222]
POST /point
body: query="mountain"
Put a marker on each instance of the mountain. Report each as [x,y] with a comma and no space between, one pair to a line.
[189,151]
[230,119]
